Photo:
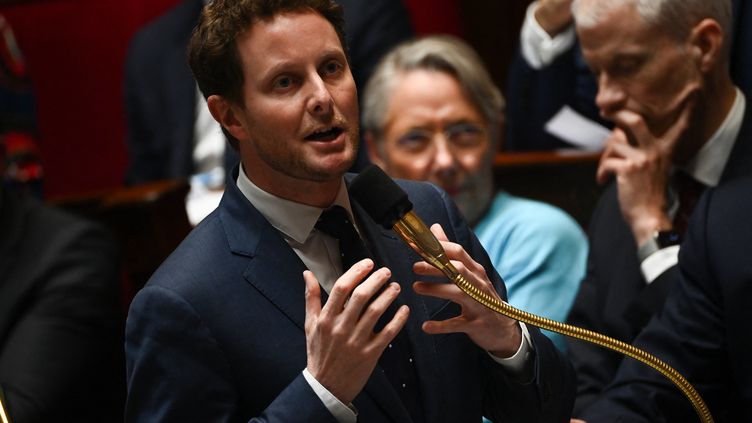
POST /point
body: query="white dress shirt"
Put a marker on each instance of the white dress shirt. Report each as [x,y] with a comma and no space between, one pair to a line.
[538,48]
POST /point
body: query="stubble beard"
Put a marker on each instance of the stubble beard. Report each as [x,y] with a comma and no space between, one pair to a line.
[293,163]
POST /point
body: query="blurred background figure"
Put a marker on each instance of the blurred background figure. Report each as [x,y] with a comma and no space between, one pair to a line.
[551,90]
[170,131]
[681,126]
[23,169]
[431,112]
[61,355]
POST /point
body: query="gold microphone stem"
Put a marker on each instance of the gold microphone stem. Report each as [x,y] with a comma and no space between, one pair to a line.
[414,232]
[3,415]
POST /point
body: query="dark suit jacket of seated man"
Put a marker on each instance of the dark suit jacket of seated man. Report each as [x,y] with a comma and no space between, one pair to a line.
[61,323]
[230,328]
[703,330]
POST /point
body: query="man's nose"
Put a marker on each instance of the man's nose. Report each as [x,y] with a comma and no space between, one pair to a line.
[610,97]
[320,101]
[443,155]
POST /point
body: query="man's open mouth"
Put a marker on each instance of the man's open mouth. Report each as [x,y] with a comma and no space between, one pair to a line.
[325,135]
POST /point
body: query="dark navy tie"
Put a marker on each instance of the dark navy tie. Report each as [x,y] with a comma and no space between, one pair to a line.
[397,360]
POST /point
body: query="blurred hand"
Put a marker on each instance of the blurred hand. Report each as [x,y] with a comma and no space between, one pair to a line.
[495,333]
[342,348]
[642,168]
[554,16]
[577,421]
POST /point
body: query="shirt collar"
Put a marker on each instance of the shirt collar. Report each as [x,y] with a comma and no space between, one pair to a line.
[295,220]
[708,164]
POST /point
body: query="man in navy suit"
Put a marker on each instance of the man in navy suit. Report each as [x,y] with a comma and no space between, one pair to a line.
[171,133]
[703,330]
[234,326]
[681,125]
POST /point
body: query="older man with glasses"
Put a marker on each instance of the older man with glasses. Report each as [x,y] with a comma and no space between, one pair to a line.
[431,112]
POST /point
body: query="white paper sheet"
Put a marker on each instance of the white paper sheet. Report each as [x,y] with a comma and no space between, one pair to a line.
[576,129]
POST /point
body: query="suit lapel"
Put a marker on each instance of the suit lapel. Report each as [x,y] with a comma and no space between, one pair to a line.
[273,267]
[277,273]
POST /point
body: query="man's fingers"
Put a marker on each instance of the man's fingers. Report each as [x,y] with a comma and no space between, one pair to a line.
[634,124]
[455,251]
[424,269]
[345,284]
[390,331]
[438,327]
[438,232]
[312,298]
[377,307]
[608,167]
[363,293]
[444,291]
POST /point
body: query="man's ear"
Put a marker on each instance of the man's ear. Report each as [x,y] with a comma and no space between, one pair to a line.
[706,41]
[228,115]
[373,150]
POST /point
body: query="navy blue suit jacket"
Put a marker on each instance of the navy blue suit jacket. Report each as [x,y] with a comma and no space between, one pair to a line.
[535,95]
[217,333]
[160,92]
[703,330]
[613,298]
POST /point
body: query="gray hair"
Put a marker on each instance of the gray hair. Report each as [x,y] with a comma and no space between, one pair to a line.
[676,17]
[440,53]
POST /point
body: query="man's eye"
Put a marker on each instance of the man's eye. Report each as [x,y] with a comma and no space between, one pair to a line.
[283,82]
[332,67]
[414,141]
[625,67]
[464,134]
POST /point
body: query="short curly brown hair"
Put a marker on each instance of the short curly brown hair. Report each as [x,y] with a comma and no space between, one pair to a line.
[212,52]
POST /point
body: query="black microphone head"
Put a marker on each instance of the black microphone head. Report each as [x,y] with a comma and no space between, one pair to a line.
[380,196]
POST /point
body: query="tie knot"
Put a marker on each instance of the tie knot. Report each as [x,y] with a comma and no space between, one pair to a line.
[335,222]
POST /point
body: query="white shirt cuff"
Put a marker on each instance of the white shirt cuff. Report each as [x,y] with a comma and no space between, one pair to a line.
[658,262]
[339,410]
[538,48]
[518,362]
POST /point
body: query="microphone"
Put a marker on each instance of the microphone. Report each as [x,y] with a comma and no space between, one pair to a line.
[389,206]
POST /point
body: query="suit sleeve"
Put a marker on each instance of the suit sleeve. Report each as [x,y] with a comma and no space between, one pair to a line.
[168,348]
[689,334]
[65,343]
[550,395]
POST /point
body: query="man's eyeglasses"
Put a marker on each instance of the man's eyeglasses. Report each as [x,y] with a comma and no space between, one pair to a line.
[459,135]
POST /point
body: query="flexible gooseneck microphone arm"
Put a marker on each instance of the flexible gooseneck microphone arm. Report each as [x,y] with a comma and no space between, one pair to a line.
[3,414]
[389,206]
